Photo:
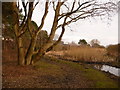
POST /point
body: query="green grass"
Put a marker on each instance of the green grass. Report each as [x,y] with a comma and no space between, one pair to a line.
[100,79]
[48,68]
[44,65]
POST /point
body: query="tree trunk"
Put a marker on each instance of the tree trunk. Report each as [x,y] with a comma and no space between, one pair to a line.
[21,55]
[37,57]
[30,51]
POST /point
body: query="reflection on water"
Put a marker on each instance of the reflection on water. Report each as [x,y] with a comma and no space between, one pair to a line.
[110,69]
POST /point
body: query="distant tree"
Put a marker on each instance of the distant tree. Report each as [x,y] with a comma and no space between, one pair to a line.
[82,42]
[113,50]
[72,43]
[88,44]
[95,43]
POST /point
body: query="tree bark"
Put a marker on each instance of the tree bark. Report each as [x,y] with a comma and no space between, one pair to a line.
[21,55]
[30,51]
[37,57]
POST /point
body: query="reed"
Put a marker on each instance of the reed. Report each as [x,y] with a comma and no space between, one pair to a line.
[87,54]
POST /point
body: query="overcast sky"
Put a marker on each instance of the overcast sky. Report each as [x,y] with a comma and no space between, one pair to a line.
[106,31]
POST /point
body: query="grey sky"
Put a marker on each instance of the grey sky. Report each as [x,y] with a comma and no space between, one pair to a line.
[83,29]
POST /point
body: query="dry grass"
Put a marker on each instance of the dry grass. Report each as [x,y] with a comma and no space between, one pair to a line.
[87,54]
[84,53]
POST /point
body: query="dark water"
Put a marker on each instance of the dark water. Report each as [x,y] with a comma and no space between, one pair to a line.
[113,70]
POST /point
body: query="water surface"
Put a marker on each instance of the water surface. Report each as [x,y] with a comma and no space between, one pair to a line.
[113,70]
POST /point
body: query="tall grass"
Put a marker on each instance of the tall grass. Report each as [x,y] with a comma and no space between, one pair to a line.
[87,54]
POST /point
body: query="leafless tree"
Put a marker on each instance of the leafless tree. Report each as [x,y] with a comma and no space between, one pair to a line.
[94,43]
[65,13]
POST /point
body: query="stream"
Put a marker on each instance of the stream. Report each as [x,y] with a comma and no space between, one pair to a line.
[106,68]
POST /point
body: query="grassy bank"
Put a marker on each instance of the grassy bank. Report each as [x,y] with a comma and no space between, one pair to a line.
[97,78]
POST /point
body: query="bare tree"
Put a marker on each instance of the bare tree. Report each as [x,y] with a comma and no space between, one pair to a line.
[95,43]
[65,13]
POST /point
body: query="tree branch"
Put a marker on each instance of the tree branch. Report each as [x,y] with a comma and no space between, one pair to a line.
[60,37]
[71,12]
[23,32]
[36,5]
[43,18]
[16,19]
[73,5]
[96,10]
[55,22]
[53,5]
[25,10]
[28,22]
[53,30]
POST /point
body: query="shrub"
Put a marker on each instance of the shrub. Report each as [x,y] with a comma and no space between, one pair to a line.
[113,50]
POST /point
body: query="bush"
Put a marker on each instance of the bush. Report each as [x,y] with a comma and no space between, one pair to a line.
[113,50]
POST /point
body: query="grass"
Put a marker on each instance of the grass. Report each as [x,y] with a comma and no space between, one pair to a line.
[100,79]
[65,62]
[48,68]
[88,54]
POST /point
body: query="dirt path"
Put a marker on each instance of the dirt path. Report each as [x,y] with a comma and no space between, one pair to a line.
[60,76]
